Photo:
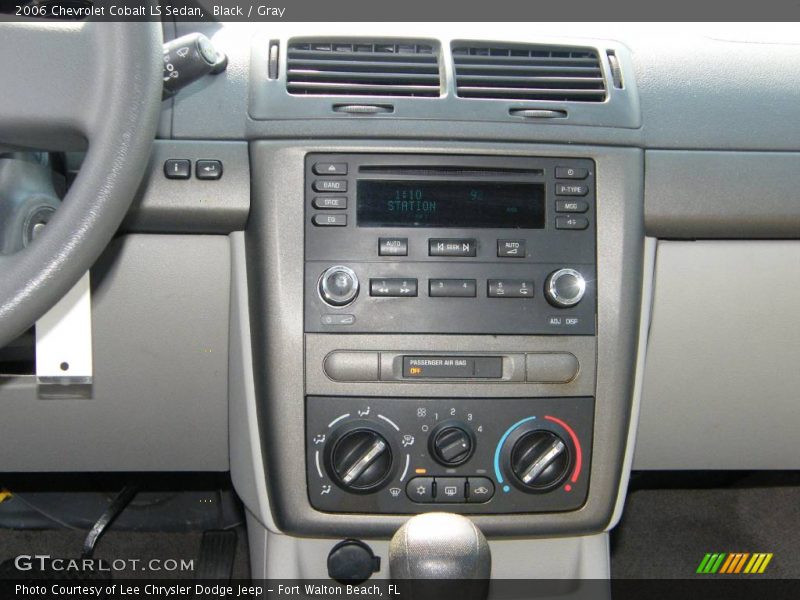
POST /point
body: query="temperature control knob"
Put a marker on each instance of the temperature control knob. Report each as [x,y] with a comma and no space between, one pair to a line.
[360,460]
[338,286]
[564,288]
[451,445]
[540,460]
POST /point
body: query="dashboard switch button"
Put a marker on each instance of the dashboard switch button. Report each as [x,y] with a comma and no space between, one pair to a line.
[479,489]
[208,169]
[177,168]
[450,490]
[420,489]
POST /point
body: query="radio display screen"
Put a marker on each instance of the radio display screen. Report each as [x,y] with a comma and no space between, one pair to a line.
[472,204]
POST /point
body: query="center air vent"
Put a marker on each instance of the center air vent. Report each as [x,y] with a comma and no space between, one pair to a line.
[529,73]
[363,69]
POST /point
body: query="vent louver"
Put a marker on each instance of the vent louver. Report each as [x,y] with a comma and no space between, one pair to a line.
[528,73]
[362,69]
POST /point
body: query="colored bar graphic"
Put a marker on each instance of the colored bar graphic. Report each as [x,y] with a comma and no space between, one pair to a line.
[733,563]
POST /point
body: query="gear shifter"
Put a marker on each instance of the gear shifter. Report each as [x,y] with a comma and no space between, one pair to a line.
[440,555]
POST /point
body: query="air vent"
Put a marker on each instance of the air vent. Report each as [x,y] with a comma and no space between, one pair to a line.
[363,69]
[529,73]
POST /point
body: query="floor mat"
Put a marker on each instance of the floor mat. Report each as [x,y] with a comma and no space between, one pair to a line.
[666,531]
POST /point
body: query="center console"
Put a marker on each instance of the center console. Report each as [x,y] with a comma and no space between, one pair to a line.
[450,330]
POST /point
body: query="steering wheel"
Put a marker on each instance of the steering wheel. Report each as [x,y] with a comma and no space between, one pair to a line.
[66,86]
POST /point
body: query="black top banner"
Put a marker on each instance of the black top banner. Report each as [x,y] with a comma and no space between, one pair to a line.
[402,11]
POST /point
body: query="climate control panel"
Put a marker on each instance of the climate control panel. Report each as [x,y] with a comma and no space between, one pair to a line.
[479,456]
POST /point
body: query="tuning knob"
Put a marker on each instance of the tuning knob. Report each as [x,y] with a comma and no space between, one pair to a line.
[360,460]
[338,286]
[451,445]
[564,288]
[540,460]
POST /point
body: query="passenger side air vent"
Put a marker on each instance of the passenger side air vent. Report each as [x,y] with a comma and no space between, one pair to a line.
[363,69]
[528,73]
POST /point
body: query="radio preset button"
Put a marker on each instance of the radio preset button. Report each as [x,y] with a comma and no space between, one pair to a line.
[511,248]
[393,247]
[393,288]
[576,223]
[452,288]
[510,288]
[451,247]
[571,189]
[330,185]
[571,173]
[329,168]
[337,220]
[572,206]
[329,202]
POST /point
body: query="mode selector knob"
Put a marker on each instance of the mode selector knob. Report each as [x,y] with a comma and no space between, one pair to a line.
[338,286]
[360,460]
[540,460]
[451,445]
[564,288]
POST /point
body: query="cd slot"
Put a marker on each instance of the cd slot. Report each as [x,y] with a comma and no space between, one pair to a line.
[447,170]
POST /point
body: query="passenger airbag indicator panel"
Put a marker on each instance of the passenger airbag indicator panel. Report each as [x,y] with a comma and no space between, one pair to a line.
[457,367]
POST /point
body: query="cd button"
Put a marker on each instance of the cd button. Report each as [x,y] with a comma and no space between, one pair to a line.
[572,206]
[571,189]
[511,248]
[330,185]
[329,202]
[452,288]
[571,223]
[337,220]
[393,288]
[510,288]
[571,173]
[393,247]
[451,247]
[328,168]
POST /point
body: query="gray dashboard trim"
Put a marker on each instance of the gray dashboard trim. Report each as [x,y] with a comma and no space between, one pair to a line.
[275,266]
[160,343]
[722,194]
[193,205]
[720,388]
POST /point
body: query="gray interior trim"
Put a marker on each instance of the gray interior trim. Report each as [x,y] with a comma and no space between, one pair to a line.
[721,378]
[109,98]
[276,271]
[193,205]
[248,473]
[318,346]
[160,342]
[648,278]
[277,556]
[722,194]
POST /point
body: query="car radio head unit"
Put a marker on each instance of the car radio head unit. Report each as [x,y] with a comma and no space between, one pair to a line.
[415,243]
[449,204]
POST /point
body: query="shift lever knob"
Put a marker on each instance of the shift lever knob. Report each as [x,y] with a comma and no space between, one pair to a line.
[444,547]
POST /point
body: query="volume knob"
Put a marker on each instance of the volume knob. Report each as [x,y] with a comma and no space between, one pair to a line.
[338,286]
[564,288]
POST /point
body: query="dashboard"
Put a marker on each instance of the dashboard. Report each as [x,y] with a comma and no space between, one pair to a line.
[386,275]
